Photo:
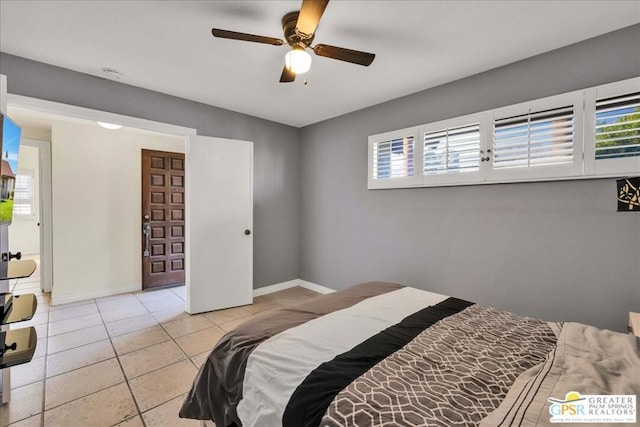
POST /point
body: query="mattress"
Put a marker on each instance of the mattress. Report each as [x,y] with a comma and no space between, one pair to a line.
[382,354]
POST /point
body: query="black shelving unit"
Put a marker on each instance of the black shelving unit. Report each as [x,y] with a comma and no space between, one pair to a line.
[17,346]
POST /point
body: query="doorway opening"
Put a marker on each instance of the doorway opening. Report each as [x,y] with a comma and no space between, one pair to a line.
[32,201]
[96,219]
[96,206]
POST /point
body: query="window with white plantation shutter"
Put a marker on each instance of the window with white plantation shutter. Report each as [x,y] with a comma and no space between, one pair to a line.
[392,159]
[23,194]
[612,129]
[538,139]
[452,150]
[617,130]
[533,139]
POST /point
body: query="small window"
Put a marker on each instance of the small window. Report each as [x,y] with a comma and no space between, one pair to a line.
[393,158]
[612,130]
[23,194]
[452,150]
[539,139]
[618,127]
[534,139]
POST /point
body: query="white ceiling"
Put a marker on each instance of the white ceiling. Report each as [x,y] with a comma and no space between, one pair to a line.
[167,46]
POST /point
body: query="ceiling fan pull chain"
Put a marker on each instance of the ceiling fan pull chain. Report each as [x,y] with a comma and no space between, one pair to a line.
[305,80]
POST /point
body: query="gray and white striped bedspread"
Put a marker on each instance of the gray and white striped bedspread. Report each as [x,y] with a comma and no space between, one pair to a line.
[377,354]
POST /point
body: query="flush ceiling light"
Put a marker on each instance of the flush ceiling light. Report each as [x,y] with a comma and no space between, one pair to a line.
[111,126]
[298,60]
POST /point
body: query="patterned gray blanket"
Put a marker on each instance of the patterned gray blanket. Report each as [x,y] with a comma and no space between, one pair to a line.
[454,373]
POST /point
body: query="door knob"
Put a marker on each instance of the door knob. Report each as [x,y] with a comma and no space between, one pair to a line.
[247,232]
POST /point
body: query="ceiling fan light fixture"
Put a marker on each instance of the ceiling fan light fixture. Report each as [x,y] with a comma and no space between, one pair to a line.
[298,60]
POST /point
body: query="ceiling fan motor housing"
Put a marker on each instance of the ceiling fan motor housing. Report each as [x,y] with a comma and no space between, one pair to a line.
[294,37]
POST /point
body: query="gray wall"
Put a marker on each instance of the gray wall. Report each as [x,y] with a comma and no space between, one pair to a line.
[276,155]
[556,251]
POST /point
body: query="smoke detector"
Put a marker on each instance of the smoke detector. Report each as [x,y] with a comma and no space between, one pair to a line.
[111,73]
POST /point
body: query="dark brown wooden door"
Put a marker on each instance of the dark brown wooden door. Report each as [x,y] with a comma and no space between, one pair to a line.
[162,218]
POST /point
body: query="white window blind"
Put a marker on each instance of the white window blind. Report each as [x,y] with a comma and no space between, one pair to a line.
[452,150]
[617,127]
[393,158]
[534,139]
[23,195]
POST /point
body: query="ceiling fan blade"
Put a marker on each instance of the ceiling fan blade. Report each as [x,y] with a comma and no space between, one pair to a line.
[287,75]
[226,34]
[342,54]
[310,13]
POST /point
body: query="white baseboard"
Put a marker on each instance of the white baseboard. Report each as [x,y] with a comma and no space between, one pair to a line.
[275,288]
[98,293]
[315,287]
[81,296]
[291,284]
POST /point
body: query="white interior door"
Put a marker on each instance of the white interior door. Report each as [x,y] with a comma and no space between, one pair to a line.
[219,212]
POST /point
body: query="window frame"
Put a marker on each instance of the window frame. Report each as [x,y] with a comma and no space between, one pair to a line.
[533,173]
[16,201]
[395,182]
[606,167]
[451,178]
[583,166]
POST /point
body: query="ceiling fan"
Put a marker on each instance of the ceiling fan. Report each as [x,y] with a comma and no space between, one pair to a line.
[299,31]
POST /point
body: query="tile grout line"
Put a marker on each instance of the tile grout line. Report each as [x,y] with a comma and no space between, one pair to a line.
[171,338]
[126,379]
[181,349]
[109,338]
[124,375]
[122,369]
[117,356]
[190,358]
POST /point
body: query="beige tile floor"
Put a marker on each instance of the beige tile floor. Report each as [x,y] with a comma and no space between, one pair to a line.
[125,360]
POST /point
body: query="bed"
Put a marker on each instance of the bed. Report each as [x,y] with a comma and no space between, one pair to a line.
[382,354]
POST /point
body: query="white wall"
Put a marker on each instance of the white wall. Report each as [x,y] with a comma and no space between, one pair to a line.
[24,233]
[97,208]
[36,133]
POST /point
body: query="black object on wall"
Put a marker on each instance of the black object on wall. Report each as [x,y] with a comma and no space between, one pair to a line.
[629,194]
